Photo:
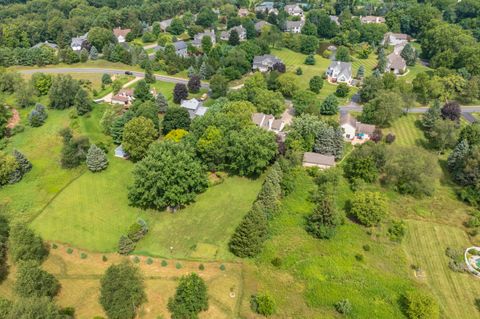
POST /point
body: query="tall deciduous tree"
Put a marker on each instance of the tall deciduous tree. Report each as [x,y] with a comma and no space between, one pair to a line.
[168,176]
[122,291]
[194,84]
[82,102]
[63,91]
[180,93]
[175,118]
[138,134]
[25,245]
[190,298]
[142,91]
[32,281]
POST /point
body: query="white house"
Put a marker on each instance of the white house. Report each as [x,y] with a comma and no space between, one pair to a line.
[321,161]
[294,10]
[264,63]
[294,26]
[194,107]
[355,131]
[121,34]
[372,19]
[395,39]
[340,72]
[78,42]
[268,122]
[165,24]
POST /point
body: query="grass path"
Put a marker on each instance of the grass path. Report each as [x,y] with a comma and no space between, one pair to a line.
[425,244]
[406,131]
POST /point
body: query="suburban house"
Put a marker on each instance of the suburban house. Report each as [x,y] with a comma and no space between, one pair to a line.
[123,97]
[78,43]
[266,7]
[165,24]
[264,63]
[121,34]
[194,107]
[51,45]
[396,64]
[181,48]
[391,38]
[355,131]
[260,25]
[294,26]
[335,19]
[242,12]
[372,19]
[321,161]
[268,122]
[340,72]
[294,10]
[197,39]
[242,33]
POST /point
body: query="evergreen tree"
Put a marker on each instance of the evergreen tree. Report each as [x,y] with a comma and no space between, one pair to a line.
[324,219]
[382,62]
[310,60]
[233,38]
[161,103]
[190,298]
[194,84]
[142,91]
[96,159]
[329,105]
[180,93]
[409,55]
[203,71]
[82,102]
[93,53]
[125,245]
[106,79]
[149,76]
[316,84]
[361,72]
[25,245]
[431,116]
[249,236]
[4,233]
[191,71]
[83,55]
[456,160]
[23,167]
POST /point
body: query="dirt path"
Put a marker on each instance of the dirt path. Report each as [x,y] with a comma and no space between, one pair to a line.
[14,120]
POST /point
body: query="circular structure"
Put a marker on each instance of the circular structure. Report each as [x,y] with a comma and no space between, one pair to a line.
[472,259]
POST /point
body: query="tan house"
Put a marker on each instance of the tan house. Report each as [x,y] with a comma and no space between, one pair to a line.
[321,161]
[242,12]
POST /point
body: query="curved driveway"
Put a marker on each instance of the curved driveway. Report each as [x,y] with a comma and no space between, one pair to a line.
[163,78]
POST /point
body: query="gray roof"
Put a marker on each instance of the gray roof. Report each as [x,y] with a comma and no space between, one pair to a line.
[339,68]
[395,61]
[260,24]
[295,24]
[180,45]
[266,60]
[197,40]
[346,118]
[318,159]
[46,43]
[365,128]
[78,41]
[257,118]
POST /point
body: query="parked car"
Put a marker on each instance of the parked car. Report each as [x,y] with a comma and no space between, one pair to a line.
[128,72]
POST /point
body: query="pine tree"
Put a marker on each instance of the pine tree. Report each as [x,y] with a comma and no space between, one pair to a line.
[382,63]
[37,116]
[96,159]
[233,38]
[23,167]
[329,105]
[431,116]
[191,72]
[83,56]
[149,76]
[82,102]
[93,53]
[324,219]
[361,72]
[249,236]
[203,71]
[409,55]
[161,103]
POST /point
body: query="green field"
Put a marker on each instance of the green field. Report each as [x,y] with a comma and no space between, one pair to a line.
[406,130]
[91,211]
[425,244]
[317,273]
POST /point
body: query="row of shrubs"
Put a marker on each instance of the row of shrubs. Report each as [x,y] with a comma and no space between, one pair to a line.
[136,232]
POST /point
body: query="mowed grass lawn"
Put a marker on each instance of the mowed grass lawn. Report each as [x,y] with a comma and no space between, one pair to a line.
[315,274]
[425,244]
[406,130]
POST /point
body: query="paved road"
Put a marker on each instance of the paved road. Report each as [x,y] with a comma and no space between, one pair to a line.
[469,117]
[163,78]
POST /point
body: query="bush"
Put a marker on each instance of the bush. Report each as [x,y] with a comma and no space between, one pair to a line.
[201,267]
[316,84]
[222,267]
[125,245]
[149,261]
[420,306]
[342,90]
[104,258]
[83,256]
[369,208]
[390,138]
[343,306]
[54,246]
[359,257]
[310,60]
[366,247]
[299,71]
[69,251]
[178,265]
[164,263]
[397,231]
[262,304]
[277,262]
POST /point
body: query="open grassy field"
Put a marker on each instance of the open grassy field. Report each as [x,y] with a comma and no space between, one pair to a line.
[406,131]
[317,273]
[91,210]
[80,281]
[425,245]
